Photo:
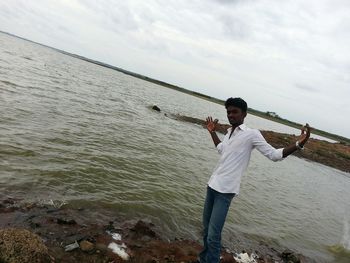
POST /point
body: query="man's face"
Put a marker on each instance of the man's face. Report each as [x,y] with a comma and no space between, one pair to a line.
[235,115]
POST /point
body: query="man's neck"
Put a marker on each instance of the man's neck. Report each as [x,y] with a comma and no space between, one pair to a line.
[236,125]
[233,128]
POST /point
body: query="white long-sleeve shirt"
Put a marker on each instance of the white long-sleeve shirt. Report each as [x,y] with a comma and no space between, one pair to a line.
[235,155]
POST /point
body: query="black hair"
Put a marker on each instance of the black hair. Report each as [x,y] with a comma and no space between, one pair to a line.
[236,102]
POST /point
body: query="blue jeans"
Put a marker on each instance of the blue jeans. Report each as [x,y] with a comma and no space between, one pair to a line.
[214,214]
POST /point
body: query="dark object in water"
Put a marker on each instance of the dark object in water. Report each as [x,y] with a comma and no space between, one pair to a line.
[155,107]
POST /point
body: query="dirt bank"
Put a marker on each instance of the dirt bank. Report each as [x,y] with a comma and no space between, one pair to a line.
[69,235]
[335,155]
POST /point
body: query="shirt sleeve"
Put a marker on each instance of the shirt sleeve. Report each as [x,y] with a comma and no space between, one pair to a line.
[219,147]
[266,149]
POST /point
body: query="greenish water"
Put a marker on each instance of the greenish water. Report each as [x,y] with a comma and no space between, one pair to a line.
[80,133]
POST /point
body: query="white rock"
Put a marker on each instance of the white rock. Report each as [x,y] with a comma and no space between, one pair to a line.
[245,258]
[119,250]
[116,236]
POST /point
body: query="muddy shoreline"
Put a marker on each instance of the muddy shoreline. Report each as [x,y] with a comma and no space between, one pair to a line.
[69,235]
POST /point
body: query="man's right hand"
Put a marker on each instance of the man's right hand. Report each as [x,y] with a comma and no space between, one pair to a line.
[211,124]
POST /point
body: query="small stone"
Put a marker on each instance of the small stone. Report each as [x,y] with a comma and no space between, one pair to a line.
[34,225]
[66,221]
[143,229]
[290,256]
[71,247]
[101,247]
[86,246]
[146,239]
[74,237]
[52,210]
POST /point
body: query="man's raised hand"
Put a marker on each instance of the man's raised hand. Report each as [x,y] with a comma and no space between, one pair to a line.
[305,134]
[211,124]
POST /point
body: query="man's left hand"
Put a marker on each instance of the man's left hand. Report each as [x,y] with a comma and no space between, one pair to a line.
[305,134]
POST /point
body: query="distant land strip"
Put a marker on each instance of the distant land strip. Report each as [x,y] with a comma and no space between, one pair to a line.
[336,155]
[265,115]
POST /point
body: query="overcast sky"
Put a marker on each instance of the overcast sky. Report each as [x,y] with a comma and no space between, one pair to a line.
[291,57]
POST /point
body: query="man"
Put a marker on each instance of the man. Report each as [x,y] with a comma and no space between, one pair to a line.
[224,183]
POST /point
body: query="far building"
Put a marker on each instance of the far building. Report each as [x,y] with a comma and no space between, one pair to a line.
[272,114]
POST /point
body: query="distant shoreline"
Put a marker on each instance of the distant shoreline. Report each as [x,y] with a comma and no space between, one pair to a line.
[265,115]
[336,155]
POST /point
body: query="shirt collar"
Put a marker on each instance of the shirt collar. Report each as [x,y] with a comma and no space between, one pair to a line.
[242,127]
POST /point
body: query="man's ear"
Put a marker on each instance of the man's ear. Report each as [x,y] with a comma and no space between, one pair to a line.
[245,114]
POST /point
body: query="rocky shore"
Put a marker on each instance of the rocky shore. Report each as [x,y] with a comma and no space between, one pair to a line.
[43,233]
[336,155]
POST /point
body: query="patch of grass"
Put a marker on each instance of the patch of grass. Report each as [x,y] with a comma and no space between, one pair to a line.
[343,155]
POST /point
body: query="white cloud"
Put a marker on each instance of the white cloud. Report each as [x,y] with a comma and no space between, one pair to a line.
[294,54]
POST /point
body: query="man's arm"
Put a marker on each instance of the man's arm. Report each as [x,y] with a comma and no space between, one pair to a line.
[211,127]
[273,154]
[304,137]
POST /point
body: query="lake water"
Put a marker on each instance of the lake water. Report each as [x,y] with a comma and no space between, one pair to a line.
[76,132]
